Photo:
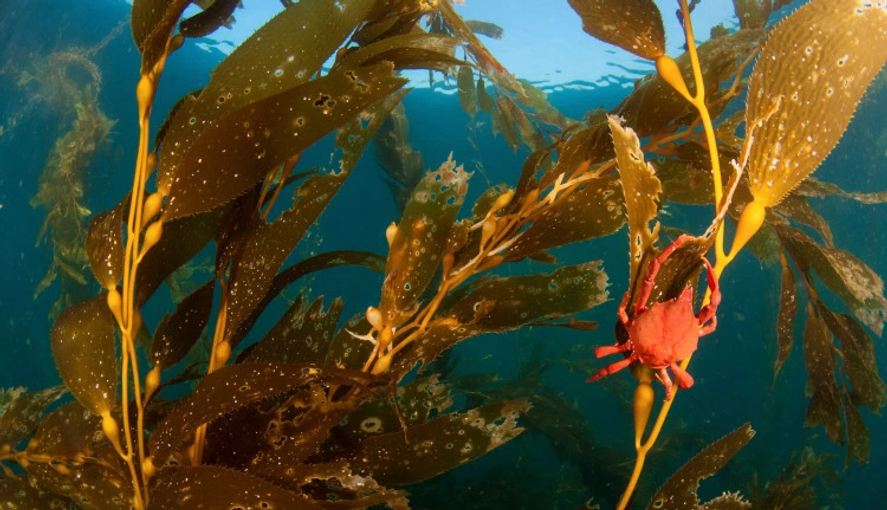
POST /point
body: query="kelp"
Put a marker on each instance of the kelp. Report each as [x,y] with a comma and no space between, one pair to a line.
[808,481]
[680,490]
[71,83]
[311,413]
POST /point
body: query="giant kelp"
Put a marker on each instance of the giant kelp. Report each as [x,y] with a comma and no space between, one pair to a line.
[314,414]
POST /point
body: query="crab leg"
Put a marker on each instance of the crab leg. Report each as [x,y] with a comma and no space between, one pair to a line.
[708,312]
[612,368]
[685,380]
[606,350]
[653,270]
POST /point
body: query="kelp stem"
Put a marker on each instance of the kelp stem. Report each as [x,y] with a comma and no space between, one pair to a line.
[698,100]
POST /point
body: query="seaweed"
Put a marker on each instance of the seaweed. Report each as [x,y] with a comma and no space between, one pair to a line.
[311,413]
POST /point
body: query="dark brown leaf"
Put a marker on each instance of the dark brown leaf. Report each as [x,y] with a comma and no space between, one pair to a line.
[218,488]
[284,53]
[83,347]
[633,25]
[421,237]
[680,490]
[20,412]
[234,387]
[178,332]
[104,244]
[825,404]
[788,308]
[595,209]
[439,445]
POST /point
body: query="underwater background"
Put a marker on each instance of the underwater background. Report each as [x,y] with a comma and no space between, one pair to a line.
[585,448]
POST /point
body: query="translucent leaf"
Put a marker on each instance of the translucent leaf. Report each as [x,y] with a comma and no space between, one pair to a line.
[439,445]
[239,150]
[812,187]
[218,488]
[418,401]
[485,60]
[83,347]
[847,276]
[318,262]
[153,22]
[267,245]
[421,236]
[17,493]
[594,209]
[633,25]
[858,360]
[414,50]
[485,101]
[104,244]
[503,304]
[348,349]
[655,107]
[467,92]
[182,239]
[797,208]
[680,489]
[300,337]
[178,332]
[641,189]
[486,28]
[20,412]
[210,19]
[805,87]
[788,307]
[859,444]
[825,404]
[69,431]
[234,387]
[282,54]
[505,121]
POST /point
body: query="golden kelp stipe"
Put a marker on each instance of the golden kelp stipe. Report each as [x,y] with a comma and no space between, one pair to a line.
[812,73]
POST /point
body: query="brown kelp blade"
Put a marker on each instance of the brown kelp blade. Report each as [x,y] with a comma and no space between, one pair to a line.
[83,347]
[286,52]
[421,236]
[641,189]
[811,75]
[680,490]
[633,25]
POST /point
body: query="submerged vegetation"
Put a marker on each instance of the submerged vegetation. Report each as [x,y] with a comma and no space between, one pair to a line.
[312,413]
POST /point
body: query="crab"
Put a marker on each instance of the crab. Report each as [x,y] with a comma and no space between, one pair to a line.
[661,335]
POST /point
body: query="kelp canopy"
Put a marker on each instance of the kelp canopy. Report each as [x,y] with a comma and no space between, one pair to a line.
[317,411]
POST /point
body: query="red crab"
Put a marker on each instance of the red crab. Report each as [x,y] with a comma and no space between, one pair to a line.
[665,333]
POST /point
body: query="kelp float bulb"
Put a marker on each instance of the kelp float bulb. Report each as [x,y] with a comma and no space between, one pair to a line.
[670,72]
[487,231]
[750,222]
[152,382]
[151,208]
[501,201]
[152,235]
[374,317]
[223,353]
[447,263]
[382,364]
[391,233]
[112,431]
[115,304]
[148,468]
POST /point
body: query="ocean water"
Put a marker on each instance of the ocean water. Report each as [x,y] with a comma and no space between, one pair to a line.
[733,367]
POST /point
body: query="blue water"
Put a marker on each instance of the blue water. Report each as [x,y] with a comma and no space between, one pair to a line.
[733,367]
